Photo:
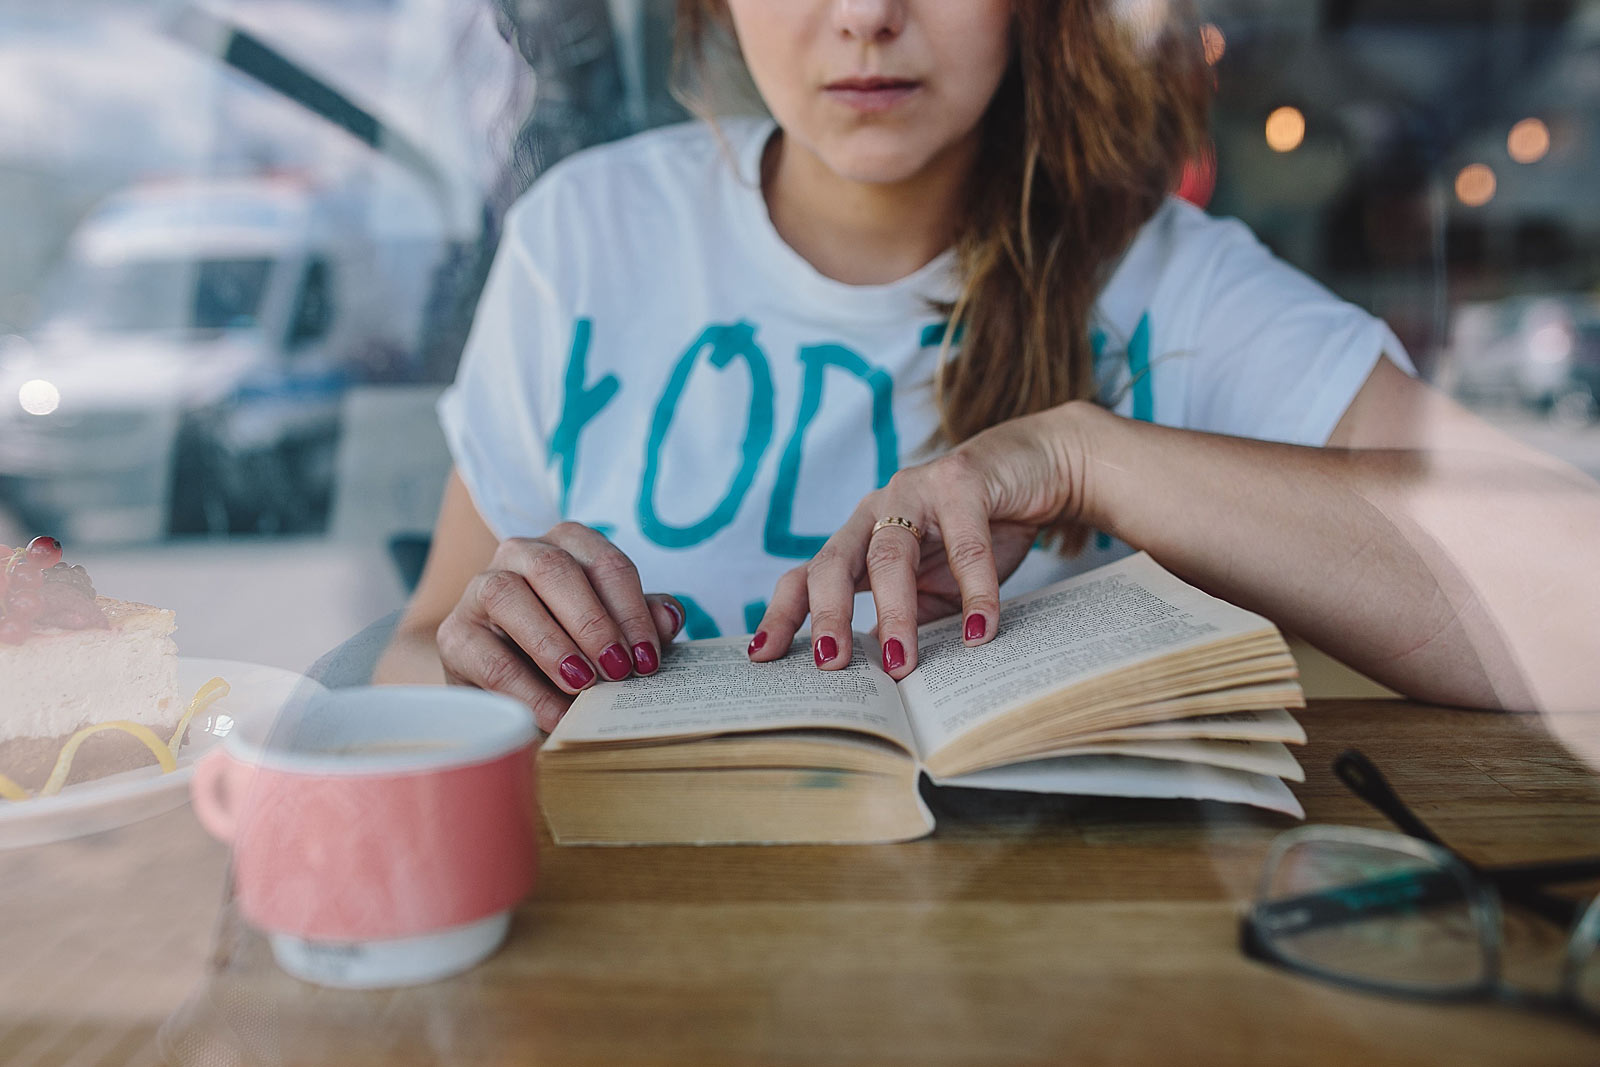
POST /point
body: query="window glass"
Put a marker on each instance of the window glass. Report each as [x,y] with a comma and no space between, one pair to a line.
[244,248]
[257,230]
[314,308]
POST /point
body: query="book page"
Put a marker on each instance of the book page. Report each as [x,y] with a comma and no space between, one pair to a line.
[711,687]
[1275,724]
[1261,725]
[1272,725]
[1258,757]
[1130,776]
[1111,617]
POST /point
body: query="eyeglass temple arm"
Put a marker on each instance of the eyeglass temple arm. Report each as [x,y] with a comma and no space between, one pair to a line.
[1520,883]
[1532,875]
[1363,778]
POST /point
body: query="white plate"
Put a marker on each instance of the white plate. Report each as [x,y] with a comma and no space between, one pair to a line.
[120,799]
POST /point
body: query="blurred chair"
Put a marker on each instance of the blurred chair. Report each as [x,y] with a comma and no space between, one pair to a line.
[353,662]
[391,468]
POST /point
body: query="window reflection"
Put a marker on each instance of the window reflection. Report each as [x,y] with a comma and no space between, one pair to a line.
[224,285]
[150,295]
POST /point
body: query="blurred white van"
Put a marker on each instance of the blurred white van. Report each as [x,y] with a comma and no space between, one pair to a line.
[194,346]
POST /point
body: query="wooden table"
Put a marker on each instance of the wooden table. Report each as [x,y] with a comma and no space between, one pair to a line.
[1025,932]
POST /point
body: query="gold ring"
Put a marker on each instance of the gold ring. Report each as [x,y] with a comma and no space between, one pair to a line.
[896,520]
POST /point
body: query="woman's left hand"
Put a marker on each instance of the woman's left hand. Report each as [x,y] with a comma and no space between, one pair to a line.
[979,508]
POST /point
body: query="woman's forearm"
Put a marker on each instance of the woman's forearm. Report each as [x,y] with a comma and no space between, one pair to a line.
[1455,577]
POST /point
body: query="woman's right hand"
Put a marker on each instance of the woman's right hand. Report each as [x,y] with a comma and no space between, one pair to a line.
[551,616]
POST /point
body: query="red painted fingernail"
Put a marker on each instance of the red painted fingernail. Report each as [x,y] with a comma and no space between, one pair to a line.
[676,613]
[894,655]
[575,672]
[977,626]
[826,649]
[757,642]
[614,661]
[644,658]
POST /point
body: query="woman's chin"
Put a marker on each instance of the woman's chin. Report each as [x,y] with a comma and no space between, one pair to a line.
[877,164]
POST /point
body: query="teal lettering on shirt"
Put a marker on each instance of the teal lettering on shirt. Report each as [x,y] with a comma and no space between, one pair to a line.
[579,405]
[934,334]
[1098,340]
[697,622]
[1141,383]
[1144,393]
[780,538]
[1144,390]
[753,614]
[725,343]
[1142,386]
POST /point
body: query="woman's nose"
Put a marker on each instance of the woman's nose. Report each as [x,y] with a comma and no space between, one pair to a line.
[870,20]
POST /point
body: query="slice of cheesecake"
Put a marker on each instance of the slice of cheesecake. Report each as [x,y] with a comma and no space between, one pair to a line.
[58,681]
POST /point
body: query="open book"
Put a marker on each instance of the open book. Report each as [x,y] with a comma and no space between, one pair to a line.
[1124,681]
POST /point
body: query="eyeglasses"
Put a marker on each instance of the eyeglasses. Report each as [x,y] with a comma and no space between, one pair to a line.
[1405,914]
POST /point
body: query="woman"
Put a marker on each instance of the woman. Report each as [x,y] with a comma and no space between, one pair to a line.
[706,356]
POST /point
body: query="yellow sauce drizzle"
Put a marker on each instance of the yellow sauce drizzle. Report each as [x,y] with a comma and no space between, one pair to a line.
[147,736]
[206,696]
[164,751]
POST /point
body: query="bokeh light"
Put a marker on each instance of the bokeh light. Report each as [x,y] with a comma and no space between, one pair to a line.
[1286,129]
[39,397]
[1476,185]
[1213,42]
[1529,141]
[1551,343]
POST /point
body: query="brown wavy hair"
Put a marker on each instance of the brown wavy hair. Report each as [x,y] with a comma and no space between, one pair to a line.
[1088,132]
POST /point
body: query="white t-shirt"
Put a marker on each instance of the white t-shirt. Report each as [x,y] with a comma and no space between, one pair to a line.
[651,359]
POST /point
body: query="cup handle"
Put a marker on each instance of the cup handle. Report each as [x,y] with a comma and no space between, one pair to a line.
[218,784]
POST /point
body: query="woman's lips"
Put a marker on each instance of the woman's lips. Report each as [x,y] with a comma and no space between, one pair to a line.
[871,95]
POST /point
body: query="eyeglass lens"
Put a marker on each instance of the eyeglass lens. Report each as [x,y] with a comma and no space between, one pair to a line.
[1586,951]
[1376,915]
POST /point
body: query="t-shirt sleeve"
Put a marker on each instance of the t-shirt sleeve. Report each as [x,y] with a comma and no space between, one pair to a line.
[492,415]
[1276,356]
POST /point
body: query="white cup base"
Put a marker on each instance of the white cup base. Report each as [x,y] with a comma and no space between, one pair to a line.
[399,962]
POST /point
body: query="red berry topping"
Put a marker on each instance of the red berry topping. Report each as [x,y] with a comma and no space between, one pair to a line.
[24,605]
[25,576]
[44,552]
[38,590]
[69,607]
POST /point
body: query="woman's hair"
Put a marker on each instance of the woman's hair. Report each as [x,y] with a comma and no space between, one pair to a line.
[1104,102]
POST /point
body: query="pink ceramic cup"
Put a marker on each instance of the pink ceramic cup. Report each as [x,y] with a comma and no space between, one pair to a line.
[381,836]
